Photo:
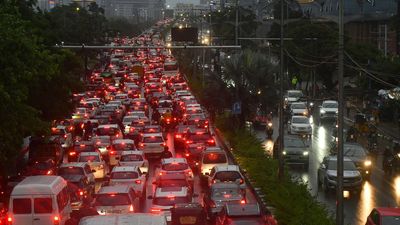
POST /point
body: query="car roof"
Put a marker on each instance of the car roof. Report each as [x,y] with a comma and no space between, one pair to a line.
[124,169]
[334,158]
[173,160]
[108,126]
[125,219]
[329,101]
[74,164]
[152,134]
[39,185]
[121,141]
[224,185]
[386,211]
[213,149]
[114,189]
[168,191]
[247,209]
[89,153]
[132,153]
[173,176]
[226,168]
[299,117]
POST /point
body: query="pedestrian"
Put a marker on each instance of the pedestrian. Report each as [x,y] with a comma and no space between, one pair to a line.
[294,82]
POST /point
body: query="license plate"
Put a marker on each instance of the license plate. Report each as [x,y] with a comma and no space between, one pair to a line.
[187,219]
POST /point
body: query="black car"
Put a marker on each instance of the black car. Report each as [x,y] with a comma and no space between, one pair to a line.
[81,191]
[83,146]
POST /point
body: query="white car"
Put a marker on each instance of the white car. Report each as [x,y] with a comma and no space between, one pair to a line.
[96,162]
[299,109]
[211,157]
[64,136]
[131,176]
[119,199]
[293,96]
[134,158]
[152,144]
[329,109]
[77,168]
[299,125]
[127,121]
[117,147]
[175,165]
[229,173]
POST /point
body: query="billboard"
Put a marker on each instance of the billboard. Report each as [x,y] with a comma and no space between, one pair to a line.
[186,34]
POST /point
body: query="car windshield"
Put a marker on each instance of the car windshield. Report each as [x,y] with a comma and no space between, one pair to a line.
[172,183]
[170,201]
[131,158]
[101,140]
[151,130]
[294,142]
[84,148]
[175,166]
[225,192]
[153,139]
[298,106]
[170,67]
[70,171]
[330,105]
[124,146]
[200,137]
[347,165]
[353,151]
[295,94]
[57,131]
[390,220]
[129,119]
[89,158]
[107,131]
[302,120]
[112,200]
[124,175]
[212,158]
[227,176]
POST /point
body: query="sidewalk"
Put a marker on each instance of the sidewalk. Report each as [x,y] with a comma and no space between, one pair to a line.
[387,130]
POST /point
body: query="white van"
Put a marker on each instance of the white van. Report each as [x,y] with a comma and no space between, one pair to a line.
[40,200]
[124,219]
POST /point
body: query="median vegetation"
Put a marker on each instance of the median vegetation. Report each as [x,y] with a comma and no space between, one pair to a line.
[292,201]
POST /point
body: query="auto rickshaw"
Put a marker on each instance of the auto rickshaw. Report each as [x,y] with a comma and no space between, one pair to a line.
[188,213]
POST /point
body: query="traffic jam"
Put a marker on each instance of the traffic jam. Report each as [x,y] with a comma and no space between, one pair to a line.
[138,149]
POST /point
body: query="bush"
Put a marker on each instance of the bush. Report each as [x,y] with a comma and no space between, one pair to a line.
[292,200]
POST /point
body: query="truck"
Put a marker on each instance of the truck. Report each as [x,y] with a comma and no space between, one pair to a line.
[44,148]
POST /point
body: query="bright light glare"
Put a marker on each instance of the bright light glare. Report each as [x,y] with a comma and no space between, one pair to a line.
[346,194]
[397,186]
[321,138]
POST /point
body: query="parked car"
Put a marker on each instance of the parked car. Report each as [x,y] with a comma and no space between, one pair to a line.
[384,216]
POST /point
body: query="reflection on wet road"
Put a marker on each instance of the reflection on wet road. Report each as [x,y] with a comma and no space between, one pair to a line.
[380,191]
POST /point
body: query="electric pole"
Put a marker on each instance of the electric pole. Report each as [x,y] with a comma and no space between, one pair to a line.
[281,101]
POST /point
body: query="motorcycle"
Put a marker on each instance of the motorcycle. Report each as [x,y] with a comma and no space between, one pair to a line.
[168,123]
[269,129]
[391,165]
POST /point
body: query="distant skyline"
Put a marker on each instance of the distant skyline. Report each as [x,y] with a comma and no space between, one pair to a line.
[172,3]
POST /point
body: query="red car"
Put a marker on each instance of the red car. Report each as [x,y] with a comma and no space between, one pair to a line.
[384,216]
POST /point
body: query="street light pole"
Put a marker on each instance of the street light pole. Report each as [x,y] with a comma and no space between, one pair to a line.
[339,191]
[281,100]
[237,23]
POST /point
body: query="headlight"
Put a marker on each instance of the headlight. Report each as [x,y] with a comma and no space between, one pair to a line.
[305,153]
[311,103]
[367,163]
[305,113]
[270,124]
[284,153]
[336,111]
[322,111]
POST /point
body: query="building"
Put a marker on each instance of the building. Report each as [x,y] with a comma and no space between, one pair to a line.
[366,21]
[135,10]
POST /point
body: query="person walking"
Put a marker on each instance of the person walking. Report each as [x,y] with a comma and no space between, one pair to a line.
[294,81]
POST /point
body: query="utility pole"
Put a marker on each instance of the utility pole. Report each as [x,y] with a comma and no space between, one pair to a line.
[339,189]
[237,23]
[281,101]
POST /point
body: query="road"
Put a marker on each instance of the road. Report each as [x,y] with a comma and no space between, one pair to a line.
[379,191]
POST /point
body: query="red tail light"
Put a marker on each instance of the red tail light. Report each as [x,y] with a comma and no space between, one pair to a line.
[178,136]
[49,172]
[112,153]
[213,181]
[80,192]
[163,145]
[56,220]
[187,154]
[141,145]
[9,220]
[211,141]
[138,181]
[188,141]
[65,136]
[155,210]
[72,153]
[131,208]
[243,201]
[241,181]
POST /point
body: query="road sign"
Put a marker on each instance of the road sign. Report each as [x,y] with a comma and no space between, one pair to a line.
[237,108]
